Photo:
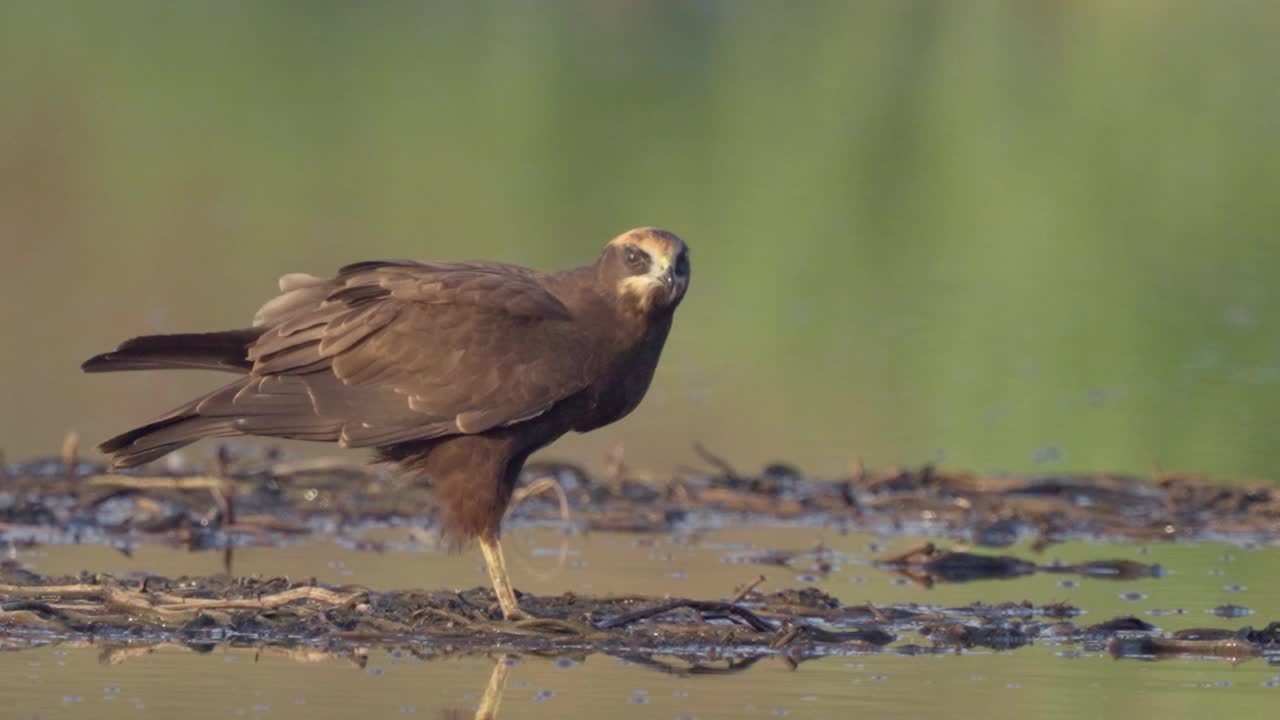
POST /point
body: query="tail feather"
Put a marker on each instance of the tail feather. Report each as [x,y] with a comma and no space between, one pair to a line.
[144,444]
[271,407]
[181,427]
[227,351]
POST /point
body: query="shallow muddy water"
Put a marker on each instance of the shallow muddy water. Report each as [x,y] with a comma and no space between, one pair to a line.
[1041,680]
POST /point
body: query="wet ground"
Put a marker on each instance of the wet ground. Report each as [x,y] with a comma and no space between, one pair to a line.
[900,594]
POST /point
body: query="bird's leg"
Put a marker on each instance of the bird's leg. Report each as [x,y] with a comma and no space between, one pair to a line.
[497,567]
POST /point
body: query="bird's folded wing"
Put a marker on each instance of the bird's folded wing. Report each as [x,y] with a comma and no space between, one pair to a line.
[399,351]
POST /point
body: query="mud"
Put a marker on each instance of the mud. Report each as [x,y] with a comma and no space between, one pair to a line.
[262,500]
[796,624]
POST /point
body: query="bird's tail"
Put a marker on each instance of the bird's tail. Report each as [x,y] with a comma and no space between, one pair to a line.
[227,351]
[162,436]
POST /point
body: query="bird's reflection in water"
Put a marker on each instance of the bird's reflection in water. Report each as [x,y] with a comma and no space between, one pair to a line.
[491,700]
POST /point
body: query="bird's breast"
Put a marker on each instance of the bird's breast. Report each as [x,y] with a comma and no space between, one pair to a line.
[623,382]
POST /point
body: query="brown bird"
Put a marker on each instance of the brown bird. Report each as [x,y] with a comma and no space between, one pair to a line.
[455,370]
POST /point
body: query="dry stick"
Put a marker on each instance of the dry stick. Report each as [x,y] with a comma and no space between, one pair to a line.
[274,600]
[858,470]
[70,453]
[198,482]
[225,496]
[225,493]
[320,465]
[172,603]
[615,466]
[62,591]
[721,464]
[756,622]
[746,590]
[785,637]
[546,483]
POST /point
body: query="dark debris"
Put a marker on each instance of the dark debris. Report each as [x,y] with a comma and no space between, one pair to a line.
[259,499]
[800,624]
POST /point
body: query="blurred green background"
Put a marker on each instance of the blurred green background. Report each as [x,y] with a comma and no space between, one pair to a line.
[1027,236]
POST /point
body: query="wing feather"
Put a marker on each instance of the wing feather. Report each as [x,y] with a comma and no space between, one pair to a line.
[393,351]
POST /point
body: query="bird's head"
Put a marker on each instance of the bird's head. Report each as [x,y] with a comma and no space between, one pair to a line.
[649,267]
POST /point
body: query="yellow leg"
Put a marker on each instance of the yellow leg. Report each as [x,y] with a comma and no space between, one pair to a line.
[497,567]
[492,698]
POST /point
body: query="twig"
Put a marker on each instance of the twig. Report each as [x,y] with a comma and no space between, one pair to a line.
[224,494]
[320,465]
[615,467]
[857,470]
[746,590]
[275,600]
[198,482]
[785,636]
[756,622]
[70,453]
[546,483]
[721,464]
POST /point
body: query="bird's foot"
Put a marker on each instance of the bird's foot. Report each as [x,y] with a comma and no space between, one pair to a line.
[510,614]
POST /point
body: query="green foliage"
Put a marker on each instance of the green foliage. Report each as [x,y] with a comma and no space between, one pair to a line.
[981,228]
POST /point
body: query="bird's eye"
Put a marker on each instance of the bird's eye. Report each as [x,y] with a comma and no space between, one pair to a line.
[637,259]
[682,265]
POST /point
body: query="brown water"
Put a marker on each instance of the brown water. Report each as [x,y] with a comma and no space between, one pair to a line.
[1039,681]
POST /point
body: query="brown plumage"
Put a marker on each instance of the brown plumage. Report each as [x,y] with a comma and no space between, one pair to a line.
[457,371]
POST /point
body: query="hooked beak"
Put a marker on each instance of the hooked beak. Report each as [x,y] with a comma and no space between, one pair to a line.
[667,278]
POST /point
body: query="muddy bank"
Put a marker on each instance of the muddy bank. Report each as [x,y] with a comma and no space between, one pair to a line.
[262,500]
[796,624]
